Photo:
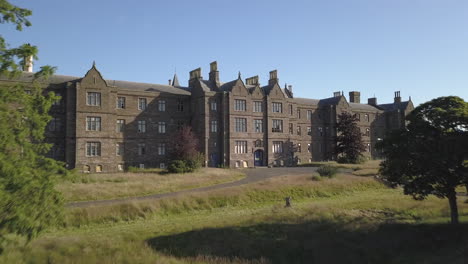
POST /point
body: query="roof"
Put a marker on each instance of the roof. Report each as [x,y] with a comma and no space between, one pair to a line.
[175,80]
[306,101]
[330,101]
[365,107]
[394,106]
[58,79]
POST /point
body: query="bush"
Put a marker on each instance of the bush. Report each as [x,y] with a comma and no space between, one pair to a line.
[316,177]
[327,171]
[178,166]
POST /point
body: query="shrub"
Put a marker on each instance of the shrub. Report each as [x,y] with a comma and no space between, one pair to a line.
[316,177]
[178,166]
[327,171]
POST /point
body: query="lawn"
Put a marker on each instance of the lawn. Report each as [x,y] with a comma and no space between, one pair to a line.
[346,219]
[117,185]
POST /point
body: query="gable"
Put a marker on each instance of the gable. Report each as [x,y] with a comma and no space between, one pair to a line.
[276,92]
[239,88]
[93,79]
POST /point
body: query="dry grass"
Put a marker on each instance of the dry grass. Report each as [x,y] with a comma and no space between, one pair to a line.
[366,172]
[108,186]
[370,164]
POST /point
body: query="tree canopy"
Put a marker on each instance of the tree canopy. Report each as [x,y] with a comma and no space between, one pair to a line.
[349,146]
[428,156]
[29,202]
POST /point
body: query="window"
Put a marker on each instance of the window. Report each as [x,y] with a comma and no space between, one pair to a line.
[298,112]
[241,124]
[180,124]
[120,102]
[93,149]
[240,147]
[120,125]
[277,107]
[277,125]
[214,126]
[309,114]
[86,169]
[366,117]
[98,168]
[119,149]
[120,167]
[58,101]
[291,128]
[298,130]
[320,129]
[239,105]
[162,165]
[358,116]
[161,106]
[180,105]
[141,165]
[55,124]
[367,132]
[141,149]
[308,148]
[214,105]
[162,149]
[93,99]
[93,123]
[258,106]
[258,125]
[309,131]
[142,103]
[291,110]
[299,147]
[141,126]
[277,147]
[161,127]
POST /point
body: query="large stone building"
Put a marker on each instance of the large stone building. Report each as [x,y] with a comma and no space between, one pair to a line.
[106,125]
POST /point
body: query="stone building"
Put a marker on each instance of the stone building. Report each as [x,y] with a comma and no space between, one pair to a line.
[105,125]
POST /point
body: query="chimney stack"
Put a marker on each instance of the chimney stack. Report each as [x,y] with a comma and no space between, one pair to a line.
[355,97]
[336,94]
[28,64]
[273,77]
[214,73]
[252,80]
[170,82]
[194,75]
[372,101]
[397,98]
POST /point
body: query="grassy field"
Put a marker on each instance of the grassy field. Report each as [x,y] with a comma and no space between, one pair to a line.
[346,219]
[107,185]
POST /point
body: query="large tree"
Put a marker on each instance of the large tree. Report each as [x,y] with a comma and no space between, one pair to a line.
[349,146]
[183,152]
[427,157]
[29,202]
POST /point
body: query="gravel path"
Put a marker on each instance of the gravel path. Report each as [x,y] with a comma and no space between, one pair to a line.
[252,175]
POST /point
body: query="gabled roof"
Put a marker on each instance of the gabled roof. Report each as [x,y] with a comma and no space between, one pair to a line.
[227,86]
[54,79]
[364,107]
[175,80]
[394,106]
[306,101]
[330,101]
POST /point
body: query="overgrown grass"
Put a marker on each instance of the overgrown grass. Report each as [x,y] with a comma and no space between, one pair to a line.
[370,164]
[347,219]
[107,186]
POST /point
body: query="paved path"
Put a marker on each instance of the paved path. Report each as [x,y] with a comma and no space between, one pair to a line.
[252,175]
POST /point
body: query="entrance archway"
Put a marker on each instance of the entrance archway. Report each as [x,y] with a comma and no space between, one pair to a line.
[258,157]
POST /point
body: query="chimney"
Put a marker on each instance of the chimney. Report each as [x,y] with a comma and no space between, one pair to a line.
[372,101]
[194,75]
[397,98]
[273,77]
[290,90]
[355,97]
[214,73]
[252,80]
[169,81]
[28,64]
[336,94]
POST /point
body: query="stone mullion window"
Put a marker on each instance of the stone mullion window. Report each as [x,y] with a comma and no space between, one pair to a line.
[240,147]
[258,106]
[142,103]
[240,124]
[277,125]
[93,149]
[277,147]
[120,102]
[277,107]
[239,105]
[161,105]
[93,99]
[93,123]
[161,127]
[258,125]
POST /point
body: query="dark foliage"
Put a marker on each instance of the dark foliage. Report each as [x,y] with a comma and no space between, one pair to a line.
[184,153]
[349,146]
[327,171]
[428,156]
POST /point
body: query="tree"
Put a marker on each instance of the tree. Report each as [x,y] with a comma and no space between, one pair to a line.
[184,153]
[349,144]
[29,202]
[427,157]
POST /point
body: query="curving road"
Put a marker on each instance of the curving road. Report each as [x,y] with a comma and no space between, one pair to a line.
[252,175]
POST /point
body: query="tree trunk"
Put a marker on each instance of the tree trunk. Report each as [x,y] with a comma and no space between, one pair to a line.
[453,207]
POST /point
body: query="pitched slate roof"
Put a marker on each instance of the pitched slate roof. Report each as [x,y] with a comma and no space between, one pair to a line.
[330,101]
[394,106]
[306,101]
[364,107]
[58,79]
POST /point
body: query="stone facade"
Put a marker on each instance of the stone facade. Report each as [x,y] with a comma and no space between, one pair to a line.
[103,125]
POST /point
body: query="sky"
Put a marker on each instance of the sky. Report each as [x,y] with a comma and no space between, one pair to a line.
[418,47]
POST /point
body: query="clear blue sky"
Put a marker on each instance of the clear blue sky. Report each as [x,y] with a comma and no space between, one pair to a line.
[419,47]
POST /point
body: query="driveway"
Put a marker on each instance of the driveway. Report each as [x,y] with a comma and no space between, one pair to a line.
[252,175]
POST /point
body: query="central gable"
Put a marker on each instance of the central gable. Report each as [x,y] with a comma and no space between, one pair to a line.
[93,79]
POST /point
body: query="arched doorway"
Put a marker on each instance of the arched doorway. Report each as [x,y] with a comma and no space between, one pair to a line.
[258,157]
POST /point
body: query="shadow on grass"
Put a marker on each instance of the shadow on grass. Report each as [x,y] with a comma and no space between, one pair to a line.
[321,242]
